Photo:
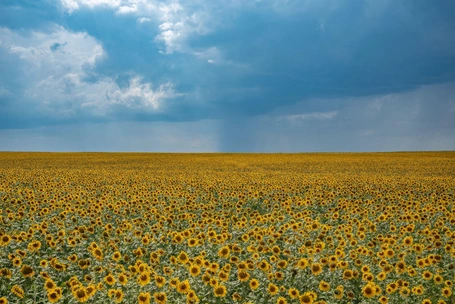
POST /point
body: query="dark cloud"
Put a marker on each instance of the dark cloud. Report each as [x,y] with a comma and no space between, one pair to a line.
[393,122]
[351,50]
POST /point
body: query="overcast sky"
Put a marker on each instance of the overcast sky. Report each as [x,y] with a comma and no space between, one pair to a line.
[227,75]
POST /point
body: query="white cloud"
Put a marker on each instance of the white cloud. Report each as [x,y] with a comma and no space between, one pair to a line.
[67,95]
[55,65]
[143,20]
[77,51]
[72,5]
[141,95]
[297,118]
[126,9]
[176,22]
[214,56]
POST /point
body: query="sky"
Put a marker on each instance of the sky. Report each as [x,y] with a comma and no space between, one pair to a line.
[227,75]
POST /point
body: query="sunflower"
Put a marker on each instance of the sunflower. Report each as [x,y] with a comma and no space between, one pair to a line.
[191,296]
[143,298]
[214,267]
[143,267]
[5,272]
[60,266]
[223,276]
[302,263]
[404,292]
[324,286]
[254,284]
[98,254]
[72,258]
[276,249]
[236,297]
[234,259]
[17,261]
[316,269]
[109,279]
[143,279]
[272,289]
[177,239]
[81,294]
[34,246]
[369,291]
[306,298]
[84,264]
[220,291]
[160,281]
[418,290]
[243,276]
[183,257]
[293,293]
[3,300]
[43,263]
[54,295]
[4,241]
[49,284]
[117,294]
[173,282]
[145,240]
[116,256]
[18,291]
[427,275]
[206,278]
[279,276]
[281,300]
[192,242]
[27,271]
[365,269]
[381,276]
[160,297]
[338,293]
[22,253]
[242,266]
[264,266]
[195,270]
[408,241]
[446,292]
[411,271]
[438,279]
[183,287]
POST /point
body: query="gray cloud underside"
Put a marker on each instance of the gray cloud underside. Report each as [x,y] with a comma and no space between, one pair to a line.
[394,122]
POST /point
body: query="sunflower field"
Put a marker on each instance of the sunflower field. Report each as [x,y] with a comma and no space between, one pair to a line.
[227,228]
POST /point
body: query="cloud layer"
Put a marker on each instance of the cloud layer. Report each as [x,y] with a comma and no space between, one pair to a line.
[320,71]
[58,69]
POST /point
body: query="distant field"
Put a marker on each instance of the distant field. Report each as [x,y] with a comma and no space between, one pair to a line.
[227,228]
